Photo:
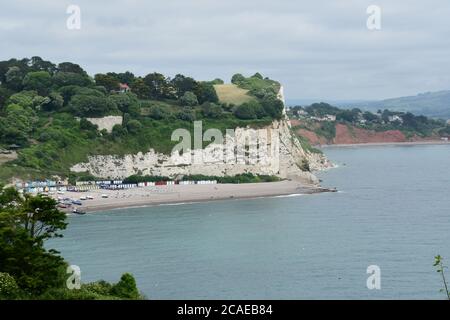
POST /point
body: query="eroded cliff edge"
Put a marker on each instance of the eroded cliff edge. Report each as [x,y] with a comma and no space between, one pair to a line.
[290,162]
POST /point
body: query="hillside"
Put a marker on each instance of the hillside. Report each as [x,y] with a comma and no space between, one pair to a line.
[55,116]
[430,104]
[322,124]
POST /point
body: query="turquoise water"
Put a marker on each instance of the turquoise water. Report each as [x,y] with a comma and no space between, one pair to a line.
[392,211]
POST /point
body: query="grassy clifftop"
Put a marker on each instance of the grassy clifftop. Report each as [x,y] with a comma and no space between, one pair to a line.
[232,94]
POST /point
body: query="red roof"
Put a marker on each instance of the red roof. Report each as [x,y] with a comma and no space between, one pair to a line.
[123,86]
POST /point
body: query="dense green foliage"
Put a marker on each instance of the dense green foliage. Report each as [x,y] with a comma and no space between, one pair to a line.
[30,271]
[258,86]
[265,90]
[44,109]
[241,178]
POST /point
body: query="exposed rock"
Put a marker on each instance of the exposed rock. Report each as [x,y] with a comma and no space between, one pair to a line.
[106,123]
[283,156]
[217,160]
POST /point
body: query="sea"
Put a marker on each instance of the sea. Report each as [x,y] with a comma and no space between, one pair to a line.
[374,239]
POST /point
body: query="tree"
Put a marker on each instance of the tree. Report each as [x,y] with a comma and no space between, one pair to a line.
[38,64]
[250,110]
[8,286]
[17,124]
[67,92]
[71,68]
[108,81]
[40,218]
[140,88]
[348,115]
[61,79]
[186,115]
[92,106]
[321,109]
[118,131]
[189,99]
[217,81]
[23,99]
[53,102]
[39,81]
[14,78]
[27,269]
[158,113]
[370,117]
[125,77]
[237,79]
[87,125]
[258,76]
[158,85]
[273,106]
[4,95]
[182,84]
[24,225]
[127,103]
[245,111]
[126,288]
[211,110]
[206,93]
[134,126]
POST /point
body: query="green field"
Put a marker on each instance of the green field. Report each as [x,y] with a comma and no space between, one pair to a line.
[231,93]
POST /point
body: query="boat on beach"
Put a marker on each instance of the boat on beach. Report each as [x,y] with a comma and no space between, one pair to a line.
[77,211]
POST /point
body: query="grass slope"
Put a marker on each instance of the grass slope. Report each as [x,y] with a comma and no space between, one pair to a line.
[231,93]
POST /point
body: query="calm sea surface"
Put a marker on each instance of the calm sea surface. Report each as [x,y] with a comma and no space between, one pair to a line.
[393,210]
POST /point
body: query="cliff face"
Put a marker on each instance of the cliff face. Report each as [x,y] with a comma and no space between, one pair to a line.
[282,156]
[348,134]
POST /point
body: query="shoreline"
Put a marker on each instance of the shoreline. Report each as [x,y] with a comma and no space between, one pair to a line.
[187,194]
[375,144]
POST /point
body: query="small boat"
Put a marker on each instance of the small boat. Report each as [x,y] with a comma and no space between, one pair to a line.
[76,211]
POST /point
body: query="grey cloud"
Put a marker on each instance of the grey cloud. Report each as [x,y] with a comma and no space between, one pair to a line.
[318,49]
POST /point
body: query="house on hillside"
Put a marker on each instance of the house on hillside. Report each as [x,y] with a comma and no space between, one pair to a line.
[327,117]
[395,118]
[123,88]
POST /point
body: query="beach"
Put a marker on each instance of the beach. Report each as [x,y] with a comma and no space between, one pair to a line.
[174,194]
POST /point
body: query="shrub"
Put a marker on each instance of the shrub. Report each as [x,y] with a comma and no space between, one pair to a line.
[189,99]
[8,286]
[186,115]
[134,126]
[245,111]
[211,110]
[126,288]
[158,113]
[249,110]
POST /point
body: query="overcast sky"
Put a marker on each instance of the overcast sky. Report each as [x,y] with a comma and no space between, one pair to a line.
[317,49]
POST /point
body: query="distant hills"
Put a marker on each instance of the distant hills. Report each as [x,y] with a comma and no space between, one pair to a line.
[430,104]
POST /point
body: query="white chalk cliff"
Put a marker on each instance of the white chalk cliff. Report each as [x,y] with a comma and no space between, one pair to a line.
[282,156]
